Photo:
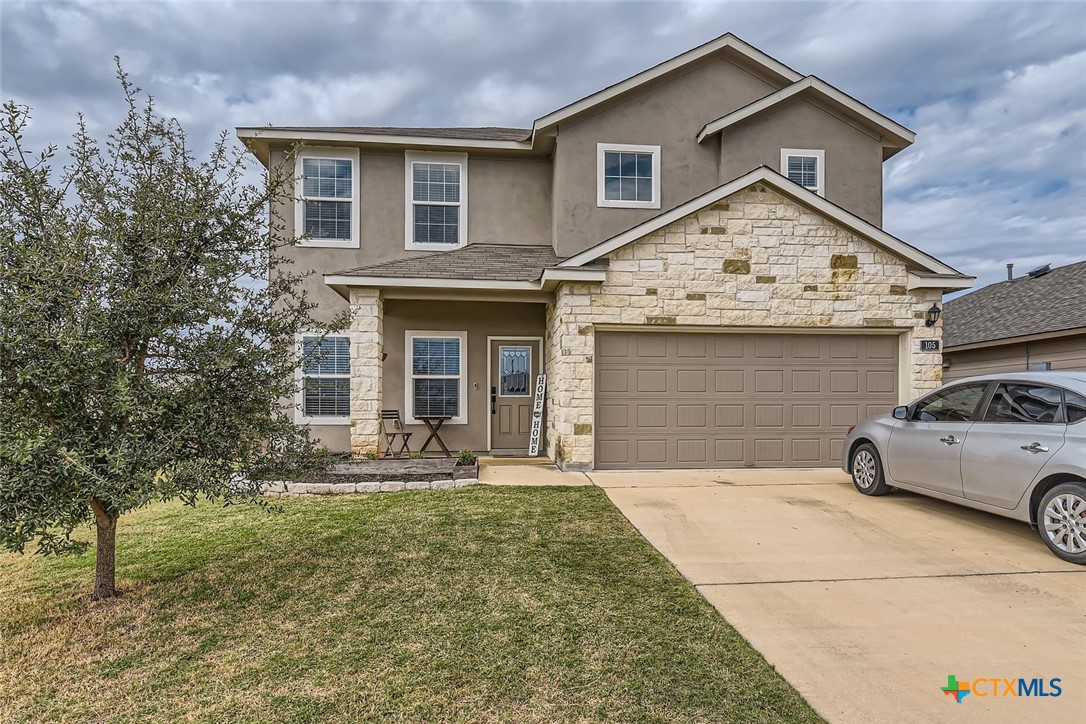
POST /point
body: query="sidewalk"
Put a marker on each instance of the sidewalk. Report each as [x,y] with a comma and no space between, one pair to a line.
[529,475]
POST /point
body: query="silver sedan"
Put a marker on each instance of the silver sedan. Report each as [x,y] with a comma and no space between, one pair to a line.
[1011,444]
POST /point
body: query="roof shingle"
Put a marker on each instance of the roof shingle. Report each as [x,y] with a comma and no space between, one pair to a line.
[486,133]
[500,262]
[1049,303]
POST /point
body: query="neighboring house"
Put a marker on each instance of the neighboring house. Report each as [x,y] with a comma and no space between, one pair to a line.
[693,255]
[1035,322]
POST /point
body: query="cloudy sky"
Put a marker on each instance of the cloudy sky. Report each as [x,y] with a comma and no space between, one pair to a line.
[995,91]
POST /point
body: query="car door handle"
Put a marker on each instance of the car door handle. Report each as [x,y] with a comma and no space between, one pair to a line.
[949,440]
[1035,447]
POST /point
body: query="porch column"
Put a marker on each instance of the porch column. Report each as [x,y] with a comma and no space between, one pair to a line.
[367,347]
[570,349]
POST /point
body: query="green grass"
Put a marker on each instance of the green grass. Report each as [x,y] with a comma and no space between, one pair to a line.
[481,604]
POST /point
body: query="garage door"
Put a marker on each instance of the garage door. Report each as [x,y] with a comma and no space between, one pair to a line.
[688,400]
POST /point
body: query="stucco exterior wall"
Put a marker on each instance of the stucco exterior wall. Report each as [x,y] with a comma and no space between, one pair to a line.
[479,320]
[496,185]
[668,115]
[754,260]
[853,162]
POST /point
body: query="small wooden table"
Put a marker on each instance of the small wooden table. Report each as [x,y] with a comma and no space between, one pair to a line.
[433,424]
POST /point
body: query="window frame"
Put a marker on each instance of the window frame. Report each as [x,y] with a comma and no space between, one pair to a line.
[300,199]
[820,170]
[989,397]
[300,376]
[531,377]
[410,159]
[978,410]
[601,184]
[409,376]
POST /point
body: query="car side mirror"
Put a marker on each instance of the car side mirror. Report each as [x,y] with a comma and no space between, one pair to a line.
[901,413]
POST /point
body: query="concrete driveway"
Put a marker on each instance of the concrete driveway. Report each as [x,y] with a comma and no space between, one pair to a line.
[866,605]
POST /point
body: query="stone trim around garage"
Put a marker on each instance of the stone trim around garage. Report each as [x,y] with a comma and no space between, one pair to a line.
[295,490]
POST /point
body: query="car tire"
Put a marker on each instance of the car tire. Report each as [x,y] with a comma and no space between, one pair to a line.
[1061,521]
[866,467]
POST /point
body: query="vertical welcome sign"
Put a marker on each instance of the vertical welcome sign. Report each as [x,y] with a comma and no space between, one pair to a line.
[537,415]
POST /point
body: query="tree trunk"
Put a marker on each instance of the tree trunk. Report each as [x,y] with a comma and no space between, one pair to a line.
[105,580]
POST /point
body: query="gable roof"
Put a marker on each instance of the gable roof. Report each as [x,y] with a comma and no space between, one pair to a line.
[894,135]
[948,277]
[525,139]
[1020,307]
[499,262]
[725,43]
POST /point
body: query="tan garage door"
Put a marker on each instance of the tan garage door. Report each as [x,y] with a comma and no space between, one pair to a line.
[688,400]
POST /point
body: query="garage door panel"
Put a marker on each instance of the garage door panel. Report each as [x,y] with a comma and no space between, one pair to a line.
[651,380]
[690,381]
[612,380]
[768,380]
[691,415]
[729,415]
[652,416]
[725,400]
[729,381]
[881,380]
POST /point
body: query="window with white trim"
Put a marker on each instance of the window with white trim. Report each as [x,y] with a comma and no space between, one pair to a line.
[435,376]
[436,200]
[327,211]
[627,176]
[326,380]
[806,167]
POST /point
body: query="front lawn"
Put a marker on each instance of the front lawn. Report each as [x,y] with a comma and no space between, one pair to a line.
[508,604]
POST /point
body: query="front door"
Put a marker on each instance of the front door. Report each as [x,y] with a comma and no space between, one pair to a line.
[513,366]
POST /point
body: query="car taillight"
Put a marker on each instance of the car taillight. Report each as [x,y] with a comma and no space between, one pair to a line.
[850,429]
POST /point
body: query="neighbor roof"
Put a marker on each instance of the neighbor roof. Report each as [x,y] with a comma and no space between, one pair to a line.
[764,174]
[1025,306]
[499,262]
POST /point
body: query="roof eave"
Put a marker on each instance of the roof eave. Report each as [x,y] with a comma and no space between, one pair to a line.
[249,134]
[726,41]
[892,134]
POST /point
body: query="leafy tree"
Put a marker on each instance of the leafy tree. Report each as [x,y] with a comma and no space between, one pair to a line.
[139,358]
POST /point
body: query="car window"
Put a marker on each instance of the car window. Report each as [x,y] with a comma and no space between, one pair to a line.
[1021,402]
[1076,406]
[954,404]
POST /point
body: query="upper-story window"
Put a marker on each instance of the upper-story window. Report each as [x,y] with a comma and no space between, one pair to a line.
[437,200]
[806,167]
[326,210]
[627,176]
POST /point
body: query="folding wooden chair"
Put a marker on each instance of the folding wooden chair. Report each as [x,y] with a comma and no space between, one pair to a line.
[392,427]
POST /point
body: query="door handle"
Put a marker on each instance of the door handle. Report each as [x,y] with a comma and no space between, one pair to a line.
[493,400]
[949,440]
[1035,447]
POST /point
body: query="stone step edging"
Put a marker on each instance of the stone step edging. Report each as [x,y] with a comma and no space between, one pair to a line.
[294,490]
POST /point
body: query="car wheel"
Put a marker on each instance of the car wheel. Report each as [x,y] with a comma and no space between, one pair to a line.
[866,467]
[1061,519]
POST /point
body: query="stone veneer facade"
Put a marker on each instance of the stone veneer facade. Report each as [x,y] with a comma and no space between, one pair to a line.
[367,367]
[753,260]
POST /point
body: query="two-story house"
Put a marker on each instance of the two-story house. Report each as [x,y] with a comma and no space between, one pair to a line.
[694,257]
